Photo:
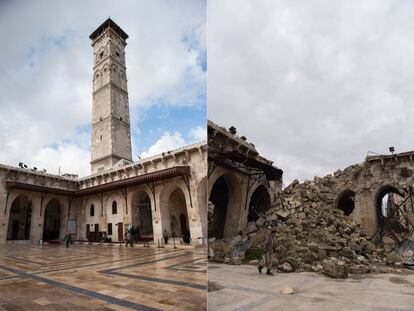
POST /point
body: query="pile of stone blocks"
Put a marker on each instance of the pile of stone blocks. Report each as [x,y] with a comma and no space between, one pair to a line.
[310,235]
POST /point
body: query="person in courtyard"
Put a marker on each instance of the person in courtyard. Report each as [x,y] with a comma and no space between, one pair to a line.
[166,236]
[186,236]
[67,239]
[267,259]
[128,238]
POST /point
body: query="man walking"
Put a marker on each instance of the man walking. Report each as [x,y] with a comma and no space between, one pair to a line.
[67,239]
[268,256]
[128,237]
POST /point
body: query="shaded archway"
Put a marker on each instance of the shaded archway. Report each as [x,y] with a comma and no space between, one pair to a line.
[259,203]
[51,225]
[19,219]
[346,202]
[142,214]
[178,210]
[219,198]
[387,197]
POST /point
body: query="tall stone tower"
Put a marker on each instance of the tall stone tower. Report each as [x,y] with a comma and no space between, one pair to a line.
[111,137]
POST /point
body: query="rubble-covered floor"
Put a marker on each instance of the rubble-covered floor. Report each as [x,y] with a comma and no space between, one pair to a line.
[242,288]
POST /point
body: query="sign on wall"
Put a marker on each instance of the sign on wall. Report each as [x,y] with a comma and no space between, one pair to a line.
[72,226]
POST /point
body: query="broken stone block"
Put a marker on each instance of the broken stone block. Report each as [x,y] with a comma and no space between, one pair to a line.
[251,227]
[260,222]
[285,267]
[359,269]
[287,291]
[393,258]
[335,269]
[282,215]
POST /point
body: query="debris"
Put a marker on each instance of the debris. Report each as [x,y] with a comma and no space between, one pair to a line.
[311,235]
[335,268]
[287,291]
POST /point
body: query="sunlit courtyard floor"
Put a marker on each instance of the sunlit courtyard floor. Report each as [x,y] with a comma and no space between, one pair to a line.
[101,277]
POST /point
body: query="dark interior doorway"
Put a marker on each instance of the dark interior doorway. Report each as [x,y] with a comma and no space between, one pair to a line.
[51,225]
[20,219]
[259,203]
[219,197]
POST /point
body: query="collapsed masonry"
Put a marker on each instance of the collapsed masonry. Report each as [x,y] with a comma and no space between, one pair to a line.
[336,224]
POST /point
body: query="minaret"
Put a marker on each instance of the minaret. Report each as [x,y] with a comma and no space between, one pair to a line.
[111,137]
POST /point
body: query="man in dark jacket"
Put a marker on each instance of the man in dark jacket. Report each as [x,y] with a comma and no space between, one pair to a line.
[268,256]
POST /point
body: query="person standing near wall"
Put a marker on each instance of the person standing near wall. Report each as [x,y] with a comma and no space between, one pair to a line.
[267,261]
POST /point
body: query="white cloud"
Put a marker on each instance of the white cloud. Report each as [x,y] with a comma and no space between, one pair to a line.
[313,84]
[165,143]
[67,157]
[198,134]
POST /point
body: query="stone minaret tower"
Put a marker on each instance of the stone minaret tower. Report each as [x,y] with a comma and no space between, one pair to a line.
[111,138]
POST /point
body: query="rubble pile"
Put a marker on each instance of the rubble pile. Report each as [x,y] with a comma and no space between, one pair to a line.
[309,235]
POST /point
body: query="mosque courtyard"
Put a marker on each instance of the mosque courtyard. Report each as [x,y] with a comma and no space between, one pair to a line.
[102,277]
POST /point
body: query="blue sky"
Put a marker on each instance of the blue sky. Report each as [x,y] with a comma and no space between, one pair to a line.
[46,78]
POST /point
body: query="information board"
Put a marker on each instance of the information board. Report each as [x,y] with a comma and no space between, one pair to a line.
[72,226]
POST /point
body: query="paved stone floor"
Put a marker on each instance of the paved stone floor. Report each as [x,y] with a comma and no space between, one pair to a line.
[95,277]
[242,288]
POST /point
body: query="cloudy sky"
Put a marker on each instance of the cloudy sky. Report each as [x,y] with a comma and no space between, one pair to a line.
[314,85]
[46,78]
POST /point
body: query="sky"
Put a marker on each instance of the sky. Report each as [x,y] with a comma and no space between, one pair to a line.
[46,78]
[315,85]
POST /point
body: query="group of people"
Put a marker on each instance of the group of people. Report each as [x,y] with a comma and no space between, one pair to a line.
[132,235]
[186,236]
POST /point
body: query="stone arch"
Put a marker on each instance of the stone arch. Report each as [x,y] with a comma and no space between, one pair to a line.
[226,203]
[165,204]
[178,208]
[141,213]
[114,69]
[202,204]
[259,203]
[174,201]
[346,202]
[52,220]
[390,193]
[19,219]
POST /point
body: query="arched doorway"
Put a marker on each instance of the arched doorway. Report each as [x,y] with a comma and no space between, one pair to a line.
[259,203]
[51,225]
[217,213]
[178,210]
[388,198]
[19,219]
[142,214]
[346,202]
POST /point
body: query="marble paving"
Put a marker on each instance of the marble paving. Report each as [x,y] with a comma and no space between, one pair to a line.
[243,288]
[100,277]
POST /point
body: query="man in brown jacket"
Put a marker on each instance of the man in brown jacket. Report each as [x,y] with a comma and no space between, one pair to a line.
[268,256]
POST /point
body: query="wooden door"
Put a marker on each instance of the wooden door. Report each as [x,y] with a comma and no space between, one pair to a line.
[120,232]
